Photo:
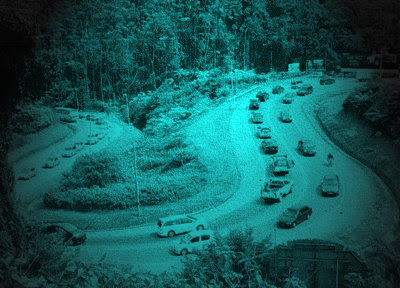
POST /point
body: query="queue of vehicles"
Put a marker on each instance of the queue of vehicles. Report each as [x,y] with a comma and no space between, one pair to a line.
[198,235]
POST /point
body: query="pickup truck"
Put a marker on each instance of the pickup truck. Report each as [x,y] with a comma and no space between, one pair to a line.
[275,189]
[281,164]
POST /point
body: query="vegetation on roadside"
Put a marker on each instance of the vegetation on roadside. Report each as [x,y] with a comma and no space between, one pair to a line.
[378,104]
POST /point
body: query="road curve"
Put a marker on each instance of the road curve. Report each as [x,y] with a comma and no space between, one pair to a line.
[364,210]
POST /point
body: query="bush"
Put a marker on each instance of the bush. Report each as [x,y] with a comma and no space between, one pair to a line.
[98,169]
[117,196]
[278,90]
[30,119]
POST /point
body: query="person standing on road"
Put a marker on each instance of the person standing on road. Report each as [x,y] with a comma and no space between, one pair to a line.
[330,160]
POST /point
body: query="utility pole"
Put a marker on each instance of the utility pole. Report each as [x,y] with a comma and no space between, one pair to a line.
[136,180]
[127,109]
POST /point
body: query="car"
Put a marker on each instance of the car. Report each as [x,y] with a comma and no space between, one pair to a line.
[275,189]
[294,216]
[262,96]
[305,89]
[269,146]
[27,173]
[286,117]
[51,162]
[326,81]
[193,242]
[68,154]
[296,82]
[91,141]
[254,105]
[178,224]
[306,147]
[281,165]
[257,117]
[77,146]
[264,132]
[67,119]
[278,90]
[288,98]
[69,234]
[330,185]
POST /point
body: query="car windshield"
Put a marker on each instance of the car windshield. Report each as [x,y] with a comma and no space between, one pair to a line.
[281,163]
[159,223]
[330,181]
[290,212]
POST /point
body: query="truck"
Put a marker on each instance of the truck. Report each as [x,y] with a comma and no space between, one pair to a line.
[275,189]
[281,165]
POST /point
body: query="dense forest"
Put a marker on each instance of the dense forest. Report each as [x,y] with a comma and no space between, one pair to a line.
[102,50]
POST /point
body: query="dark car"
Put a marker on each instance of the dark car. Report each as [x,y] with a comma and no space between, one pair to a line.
[67,119]
[305,89]
[27,173]
[254,105]
[269,146]
[262,96]
[278,90]
[326,81]
[294,216]
[69,234]
[296,82]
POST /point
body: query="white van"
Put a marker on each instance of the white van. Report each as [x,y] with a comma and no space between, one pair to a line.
[194,241]
[170,226]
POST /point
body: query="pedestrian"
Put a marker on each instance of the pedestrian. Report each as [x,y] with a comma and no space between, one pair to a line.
[330,160]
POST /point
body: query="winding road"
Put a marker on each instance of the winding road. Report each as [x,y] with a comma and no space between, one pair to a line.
[364,210]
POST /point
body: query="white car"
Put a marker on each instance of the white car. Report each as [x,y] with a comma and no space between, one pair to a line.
[194,241]
[330,185]
[178,224]
[263,132]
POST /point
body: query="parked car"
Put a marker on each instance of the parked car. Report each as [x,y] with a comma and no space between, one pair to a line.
[296,82]
[288,98]
[326,80]
[27,173]
[330,185]
[257,117]
[306,147]
[254,104]
[278,90]
[262,96]
[69,234]
[263,132]
[286,117]
[77,146]
[294,216]
[67,119]
[305,89]
[193,242]
[68,154]
[91,141]
[269,146]
[178,224]
[51,162]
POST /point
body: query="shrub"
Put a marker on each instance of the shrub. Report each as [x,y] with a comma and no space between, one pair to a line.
[278,90]
[117,196]
[30,119]
[98,169]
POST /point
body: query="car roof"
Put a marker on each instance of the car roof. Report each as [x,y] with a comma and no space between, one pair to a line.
[331,176]
[276,179]
[66,226]
[200,233]
[175,217]
[298,207]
